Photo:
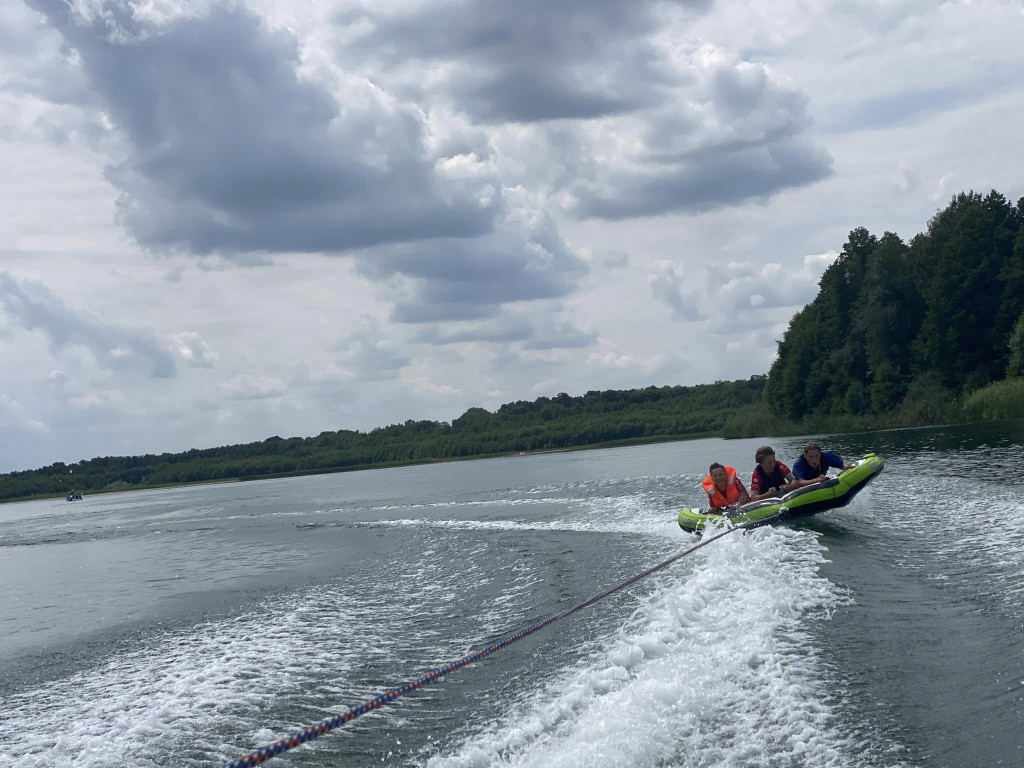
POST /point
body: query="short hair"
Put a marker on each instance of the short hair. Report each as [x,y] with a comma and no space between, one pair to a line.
[714,466]
[812,446]
[763,453]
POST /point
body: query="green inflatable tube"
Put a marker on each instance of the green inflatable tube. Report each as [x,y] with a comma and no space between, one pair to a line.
[828,494]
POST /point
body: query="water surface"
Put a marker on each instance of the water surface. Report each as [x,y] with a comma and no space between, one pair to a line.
[188,626]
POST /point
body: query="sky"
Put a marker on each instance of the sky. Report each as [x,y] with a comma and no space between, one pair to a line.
[223,221]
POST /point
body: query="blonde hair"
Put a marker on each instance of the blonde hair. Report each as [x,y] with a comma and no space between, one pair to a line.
[812,446]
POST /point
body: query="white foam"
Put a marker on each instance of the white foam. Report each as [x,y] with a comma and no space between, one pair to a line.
[140,707]
[208,691]
[614,514]
[716,669]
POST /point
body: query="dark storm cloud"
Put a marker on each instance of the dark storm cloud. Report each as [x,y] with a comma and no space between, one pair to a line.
[227,149]
[35,307]
[529,60]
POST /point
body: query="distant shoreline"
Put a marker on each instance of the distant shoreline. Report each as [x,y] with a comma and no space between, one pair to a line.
[365,467]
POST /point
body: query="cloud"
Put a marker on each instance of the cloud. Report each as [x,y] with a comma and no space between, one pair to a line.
[633,116]
[539,328]
[108,399]
[749,296]
[499,330]
[367,353]
[13,415]
[526,61]
[611,359]
[226,148]
[736,131]
[942,187]
[190,348]
[905,180]
[662,367]
[32,306]
[892,109]
[560,333]
[424,386]
[449,279]
[247,386]
[668,285]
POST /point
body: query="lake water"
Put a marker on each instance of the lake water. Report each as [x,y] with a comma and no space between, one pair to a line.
[189,626]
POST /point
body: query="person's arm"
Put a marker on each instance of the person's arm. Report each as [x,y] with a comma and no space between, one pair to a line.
[800,470]
[744,496]
[791,483]
[835,460]
[755,488]
[803,482]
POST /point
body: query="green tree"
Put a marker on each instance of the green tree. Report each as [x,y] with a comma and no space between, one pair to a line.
[856,400]
[969,244]
[887,388]
[1015,367]
[889,309]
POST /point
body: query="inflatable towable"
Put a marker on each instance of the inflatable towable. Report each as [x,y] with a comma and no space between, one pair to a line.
[828,494]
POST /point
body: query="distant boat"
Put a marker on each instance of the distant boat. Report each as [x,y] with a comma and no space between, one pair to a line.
[73,496]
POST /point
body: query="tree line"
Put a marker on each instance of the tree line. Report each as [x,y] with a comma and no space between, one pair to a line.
[547,423]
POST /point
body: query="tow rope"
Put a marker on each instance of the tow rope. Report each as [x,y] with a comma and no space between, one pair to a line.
[311,732]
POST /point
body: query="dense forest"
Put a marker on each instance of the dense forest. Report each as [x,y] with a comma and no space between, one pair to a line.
[607,417]
[899,334]
[914,326]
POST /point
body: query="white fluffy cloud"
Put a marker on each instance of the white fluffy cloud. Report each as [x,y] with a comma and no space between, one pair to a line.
[190,348]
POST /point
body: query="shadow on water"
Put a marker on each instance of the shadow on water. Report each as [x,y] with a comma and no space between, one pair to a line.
[833,531]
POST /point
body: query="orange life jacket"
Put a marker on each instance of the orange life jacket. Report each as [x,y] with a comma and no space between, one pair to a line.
[732,493]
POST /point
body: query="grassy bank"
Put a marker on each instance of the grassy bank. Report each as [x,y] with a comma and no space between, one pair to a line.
[920,408]
[999,400]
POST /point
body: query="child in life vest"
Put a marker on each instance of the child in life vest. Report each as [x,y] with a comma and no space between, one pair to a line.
[724,488]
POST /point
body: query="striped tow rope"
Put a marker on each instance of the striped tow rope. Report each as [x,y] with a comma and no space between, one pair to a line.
[311,732]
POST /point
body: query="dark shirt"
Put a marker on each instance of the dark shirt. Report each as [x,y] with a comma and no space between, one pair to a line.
[805,471]
[760,482]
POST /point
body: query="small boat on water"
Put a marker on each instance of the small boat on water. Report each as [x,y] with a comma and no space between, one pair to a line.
[74,496]
[828,494]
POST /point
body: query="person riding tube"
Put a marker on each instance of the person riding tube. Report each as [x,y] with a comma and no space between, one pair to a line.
[724,488]
[813,465]
[770,477]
